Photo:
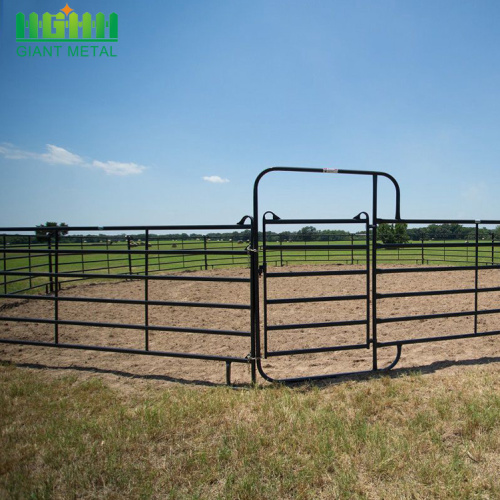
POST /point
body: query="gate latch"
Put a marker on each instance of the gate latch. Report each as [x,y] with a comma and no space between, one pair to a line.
[249,249]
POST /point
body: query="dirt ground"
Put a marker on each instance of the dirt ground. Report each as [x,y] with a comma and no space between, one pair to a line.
[124,369]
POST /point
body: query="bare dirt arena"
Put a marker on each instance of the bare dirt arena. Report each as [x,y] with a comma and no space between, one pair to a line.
[125,369]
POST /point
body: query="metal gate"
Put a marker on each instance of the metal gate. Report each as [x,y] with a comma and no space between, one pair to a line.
[363,254]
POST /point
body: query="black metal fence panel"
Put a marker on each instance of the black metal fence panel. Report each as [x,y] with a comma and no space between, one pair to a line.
[153,259]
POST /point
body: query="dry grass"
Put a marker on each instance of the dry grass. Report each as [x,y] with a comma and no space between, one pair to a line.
[416,436]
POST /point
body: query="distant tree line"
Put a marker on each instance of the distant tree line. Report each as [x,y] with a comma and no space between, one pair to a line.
[387,233]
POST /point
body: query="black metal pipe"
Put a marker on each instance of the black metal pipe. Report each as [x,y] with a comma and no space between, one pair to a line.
[424,340]
[299,300]
[314,350]
[161,277]
[212,305]
[156,328]
[171,354]
[325,324]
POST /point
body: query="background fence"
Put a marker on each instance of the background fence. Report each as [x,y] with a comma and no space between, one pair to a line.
[29,266]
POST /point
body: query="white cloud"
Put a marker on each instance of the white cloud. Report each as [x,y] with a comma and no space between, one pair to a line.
[60,156]
[117,168]
[215,179]
[12,153]
[56,155]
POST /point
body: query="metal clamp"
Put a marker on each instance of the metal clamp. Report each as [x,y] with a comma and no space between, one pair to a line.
[249,249]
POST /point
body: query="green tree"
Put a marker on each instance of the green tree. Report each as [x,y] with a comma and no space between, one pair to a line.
[43,233]
[393,233]
[386,233]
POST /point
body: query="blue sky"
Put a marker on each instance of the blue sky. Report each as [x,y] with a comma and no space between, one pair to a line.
[212,90]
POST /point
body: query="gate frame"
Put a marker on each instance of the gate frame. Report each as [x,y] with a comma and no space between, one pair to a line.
[375,220]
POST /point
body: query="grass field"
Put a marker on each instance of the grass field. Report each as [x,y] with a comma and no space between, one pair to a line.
[107,259]
[414,436]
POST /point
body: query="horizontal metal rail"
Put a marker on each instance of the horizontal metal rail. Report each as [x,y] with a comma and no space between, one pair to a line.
[294,274]
[166,277]
[425,293]
[235,333]
[423,340]
[198,227]
[395,270]
[400,319]
[325,247]
[447,245]
[314,350]
[176,251]
[212,305]
[325,324]
[300,300]
[314,221]
[170,354]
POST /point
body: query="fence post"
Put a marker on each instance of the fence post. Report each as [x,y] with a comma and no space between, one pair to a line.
[5,264]
[476,278]
[423,250]
[281,250]
[51,278]
[492,249]
[146,291]
[205,248]
[107,255]
[56,288]
[129,255]
[352,249]
[29,262]
[159,256]
[83,257]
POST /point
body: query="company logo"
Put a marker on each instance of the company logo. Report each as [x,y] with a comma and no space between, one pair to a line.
[65,26]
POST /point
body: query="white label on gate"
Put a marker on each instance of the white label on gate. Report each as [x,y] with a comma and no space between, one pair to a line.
[330,170]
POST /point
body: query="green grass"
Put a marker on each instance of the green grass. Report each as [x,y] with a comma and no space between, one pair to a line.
[409,437]
[104,262]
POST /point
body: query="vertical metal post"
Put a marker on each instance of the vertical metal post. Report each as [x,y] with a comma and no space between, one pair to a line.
[159,256]
[129,255]
[146,291]
[444,250]
[183,256]
[352,249]
[423,250]
[264,277]
[374,274]
[281,250]
[107,256]
[56,291]
[254,299]
[29,262]
[492,249]
[51,277]
[476,278]
[5,264]
[83,257]
[367,243]
[205,248]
